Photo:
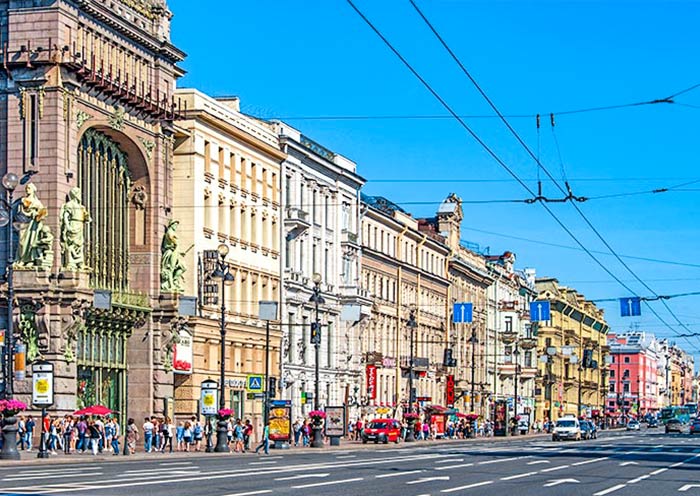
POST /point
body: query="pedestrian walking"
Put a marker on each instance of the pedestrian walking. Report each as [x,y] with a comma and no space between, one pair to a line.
[297,431]
[116,432]
[132,435]
[247,432]
[187,435]
[197,433]
[265,442]
[180,435]
[22,433]
[167,431]
[147,434]
[95,436]
[238,435]
[82,435]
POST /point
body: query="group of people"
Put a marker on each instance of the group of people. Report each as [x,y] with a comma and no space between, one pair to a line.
[71,434]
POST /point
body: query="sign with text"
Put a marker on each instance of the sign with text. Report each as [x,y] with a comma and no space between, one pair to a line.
[209,400]
[280,423]
[183,353]
[42,383]
[450,391]
[335,421]
[371,372]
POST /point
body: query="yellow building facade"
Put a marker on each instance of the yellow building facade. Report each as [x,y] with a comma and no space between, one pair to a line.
[227,192]
[573,379]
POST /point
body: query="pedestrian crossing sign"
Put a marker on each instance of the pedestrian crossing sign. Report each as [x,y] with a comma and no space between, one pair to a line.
[254,383]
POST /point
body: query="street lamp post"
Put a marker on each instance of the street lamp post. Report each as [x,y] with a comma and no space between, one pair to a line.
[516,353]
[411,324]
[267,311]
[317,300]
[9,431]
[473,342]
[222,273]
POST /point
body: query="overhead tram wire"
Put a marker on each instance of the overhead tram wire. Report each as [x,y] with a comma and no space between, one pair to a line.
[567,192]
[495,156]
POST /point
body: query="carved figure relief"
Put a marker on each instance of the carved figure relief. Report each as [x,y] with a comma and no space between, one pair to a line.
[172,267]
[35,237]
[73,217]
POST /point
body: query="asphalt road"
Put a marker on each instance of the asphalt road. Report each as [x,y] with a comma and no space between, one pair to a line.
[618,463]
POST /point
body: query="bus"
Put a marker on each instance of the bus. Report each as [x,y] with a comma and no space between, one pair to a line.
[678,412]
[692,409]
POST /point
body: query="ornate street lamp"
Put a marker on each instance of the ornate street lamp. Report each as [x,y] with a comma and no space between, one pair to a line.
[317,300]
[411,418]
[222,273]
[9,431]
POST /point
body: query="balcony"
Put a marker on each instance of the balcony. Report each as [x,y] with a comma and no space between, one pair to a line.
[349,239]
[296,222]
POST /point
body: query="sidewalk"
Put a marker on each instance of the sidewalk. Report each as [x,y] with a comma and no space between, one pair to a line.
[30,458]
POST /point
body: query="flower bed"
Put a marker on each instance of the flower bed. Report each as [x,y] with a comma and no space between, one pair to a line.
[10,408]
[224,414]
[317,414]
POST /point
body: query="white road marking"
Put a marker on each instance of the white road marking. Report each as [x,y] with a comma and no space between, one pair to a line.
[659,471]
[53,476]
[610,490]
[624,464]
[271,462]
[329,483]
[500,460]
[344,457]
[302,476]
[688,486]
[450,467]
[428,479]
[251,493]
[41,472]
[398,474]
[556,482]
[450,460]
[586,462]
[639,479]
[553,469]
[168,464]
[469,486]
[518,476]
[538,462]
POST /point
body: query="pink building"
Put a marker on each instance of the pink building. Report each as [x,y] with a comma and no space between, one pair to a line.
[633,375]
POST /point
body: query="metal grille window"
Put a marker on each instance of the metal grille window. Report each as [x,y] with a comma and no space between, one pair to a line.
[103,176]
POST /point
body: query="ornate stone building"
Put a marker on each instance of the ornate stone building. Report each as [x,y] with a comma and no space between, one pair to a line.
[86,100]
[227,178]
[575,377]
[469,280]
[320,238]
[405,271]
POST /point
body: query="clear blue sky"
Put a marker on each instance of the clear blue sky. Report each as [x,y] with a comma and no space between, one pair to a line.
[318,58]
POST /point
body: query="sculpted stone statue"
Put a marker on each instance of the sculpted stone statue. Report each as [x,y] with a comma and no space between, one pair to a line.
[172,268]
[73,218]
[35,238]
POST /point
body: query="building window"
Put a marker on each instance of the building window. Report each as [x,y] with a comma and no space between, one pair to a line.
[627,359]
[509,323]
[207,157]
[288,191]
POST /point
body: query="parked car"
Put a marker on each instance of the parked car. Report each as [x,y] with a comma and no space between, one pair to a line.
[695,426]
[382,431]
[588,430]
[633,425]
[675,425]
[567,428]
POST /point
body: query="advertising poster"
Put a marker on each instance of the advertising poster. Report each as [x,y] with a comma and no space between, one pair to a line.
[335,421]
[280,423]
[372,382]
[209,401]
[182,354]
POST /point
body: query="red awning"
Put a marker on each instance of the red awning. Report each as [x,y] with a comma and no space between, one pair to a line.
[436,408]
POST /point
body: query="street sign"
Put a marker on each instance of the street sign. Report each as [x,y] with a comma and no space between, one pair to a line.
[42,383]
[281,403]
[254,383]
[462,313]
[631,306]
[540,311]
[450,391]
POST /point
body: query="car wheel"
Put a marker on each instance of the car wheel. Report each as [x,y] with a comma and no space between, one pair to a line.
[364,441]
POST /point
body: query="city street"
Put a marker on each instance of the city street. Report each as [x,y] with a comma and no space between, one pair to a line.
[619,463]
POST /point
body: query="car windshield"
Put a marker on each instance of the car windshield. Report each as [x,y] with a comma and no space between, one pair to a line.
[566,423]
[377,425]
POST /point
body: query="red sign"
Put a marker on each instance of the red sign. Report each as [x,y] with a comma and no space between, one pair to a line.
[450,391]
[371,382]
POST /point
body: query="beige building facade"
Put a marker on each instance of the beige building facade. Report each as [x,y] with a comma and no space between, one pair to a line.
[226,180]
[405,272]
[574,379]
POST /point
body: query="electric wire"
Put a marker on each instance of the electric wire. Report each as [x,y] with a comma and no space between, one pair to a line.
[491,152]
[544,169]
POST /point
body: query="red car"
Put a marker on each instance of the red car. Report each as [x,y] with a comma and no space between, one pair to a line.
[382,430]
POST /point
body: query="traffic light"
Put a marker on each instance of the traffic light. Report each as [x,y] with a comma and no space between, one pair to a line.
[272,387]
[447,360]
[315,333]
